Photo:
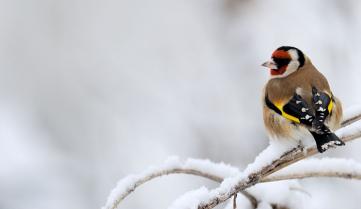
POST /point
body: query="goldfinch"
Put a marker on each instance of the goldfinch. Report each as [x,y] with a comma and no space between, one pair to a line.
[298,101]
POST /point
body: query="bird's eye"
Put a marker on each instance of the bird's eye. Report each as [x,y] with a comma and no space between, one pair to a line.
[281,61]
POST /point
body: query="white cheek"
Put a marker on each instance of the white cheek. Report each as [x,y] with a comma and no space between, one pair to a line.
[292,67]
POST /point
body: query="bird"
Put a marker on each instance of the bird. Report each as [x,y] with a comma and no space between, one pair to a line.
[298,101]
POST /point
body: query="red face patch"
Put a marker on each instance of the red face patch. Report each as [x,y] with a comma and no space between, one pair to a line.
[281,54]
[278,71]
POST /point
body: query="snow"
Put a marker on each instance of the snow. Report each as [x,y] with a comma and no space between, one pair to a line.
[190,199]
[242,202]
[264,205]
[288,193]
[132,181]
[128,183]
[272,152]
[275,150]
[285,193]
[219,169]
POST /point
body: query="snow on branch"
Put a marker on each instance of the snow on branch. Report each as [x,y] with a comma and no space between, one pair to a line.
[261,168]
[173,165]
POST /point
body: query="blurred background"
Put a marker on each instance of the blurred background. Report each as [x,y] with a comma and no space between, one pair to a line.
[91,91]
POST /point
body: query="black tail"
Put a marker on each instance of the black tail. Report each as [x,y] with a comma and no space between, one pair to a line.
[326,140]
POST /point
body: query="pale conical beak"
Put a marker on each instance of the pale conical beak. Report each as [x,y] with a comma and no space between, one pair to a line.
[270,64]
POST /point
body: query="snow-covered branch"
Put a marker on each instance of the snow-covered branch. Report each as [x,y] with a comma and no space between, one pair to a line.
[272,159]
[173,165]
[256,171]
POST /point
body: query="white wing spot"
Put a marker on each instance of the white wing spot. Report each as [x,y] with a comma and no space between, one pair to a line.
[328,144]
[321,109]
[319,102]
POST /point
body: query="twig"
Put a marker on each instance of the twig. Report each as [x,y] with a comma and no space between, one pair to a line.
[340,174]
[235,201]
[286,159]
[276,206]
[351,118]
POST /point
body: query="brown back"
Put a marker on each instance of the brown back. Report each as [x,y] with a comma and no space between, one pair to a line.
[282,89]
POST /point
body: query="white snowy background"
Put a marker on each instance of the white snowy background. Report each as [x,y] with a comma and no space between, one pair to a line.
[91,91]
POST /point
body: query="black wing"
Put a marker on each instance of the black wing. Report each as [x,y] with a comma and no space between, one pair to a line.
[295,110]
[322,103]
[298,108]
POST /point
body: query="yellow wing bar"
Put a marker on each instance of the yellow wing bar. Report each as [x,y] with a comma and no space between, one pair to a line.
[330,105]
[279,105]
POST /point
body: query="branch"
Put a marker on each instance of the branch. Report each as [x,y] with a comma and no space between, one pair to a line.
[308,168]
[325,167]
[204,168]
[345,175]
[351,115]
[236,184]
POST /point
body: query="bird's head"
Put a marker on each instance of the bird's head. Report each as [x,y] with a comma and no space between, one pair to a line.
[284,61]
